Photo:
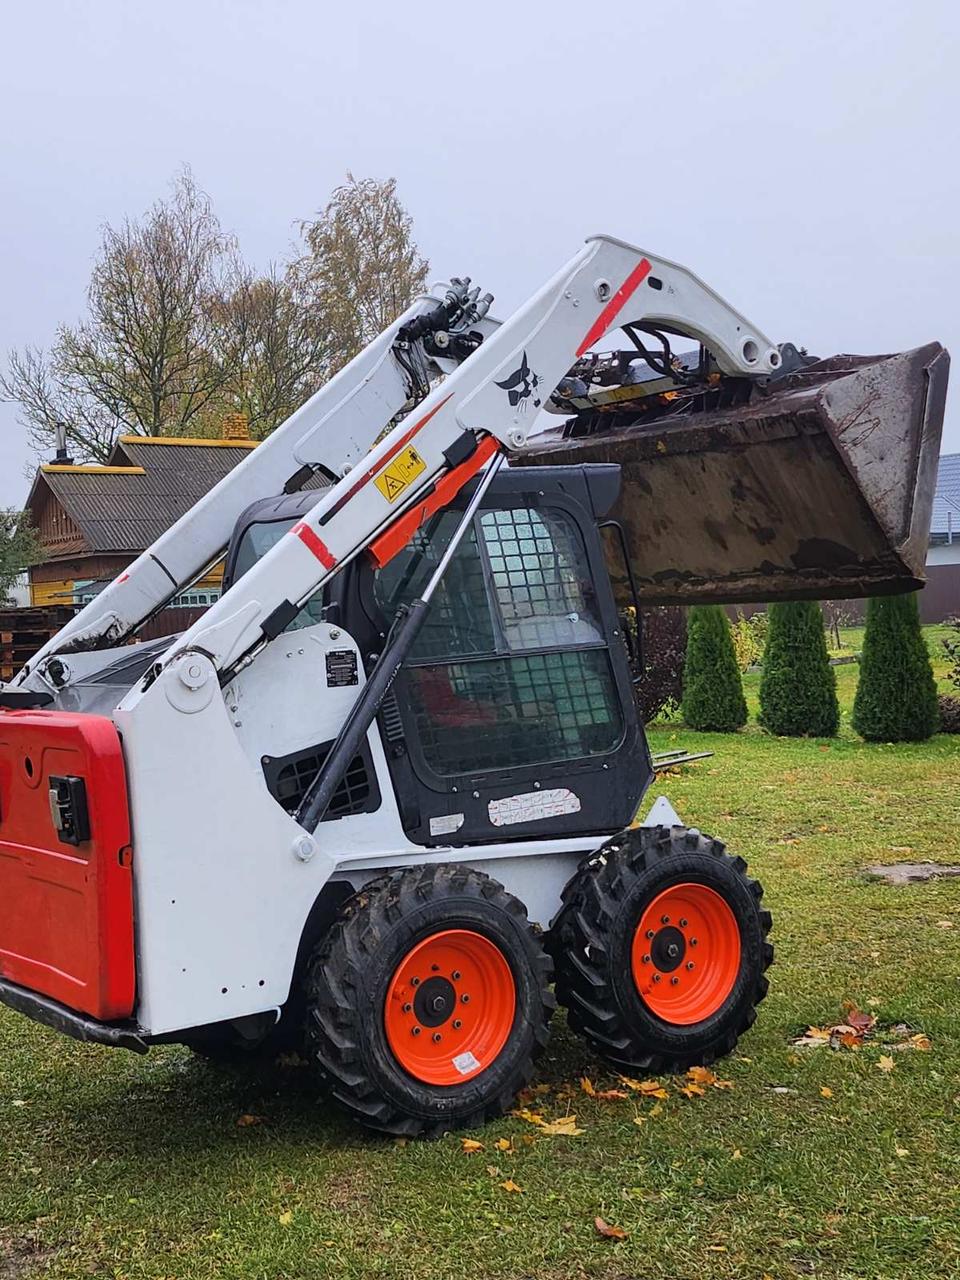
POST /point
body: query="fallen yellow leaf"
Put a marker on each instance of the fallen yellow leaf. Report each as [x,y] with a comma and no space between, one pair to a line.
[503,1144]
[921,1042]
[737,1154]
[586,1084]
[285,1218]
[611,1095]
[510,1185]
[565,1127]
[826,1091]
[636,1085]
[531,1117]
[693,1090]
[639,1120]
[886,1063]
[701,1075]
[608,1231]
[901,1152]
[652,1089]
[470,1145]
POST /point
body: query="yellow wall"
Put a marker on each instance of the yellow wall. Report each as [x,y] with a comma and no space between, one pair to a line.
[44,593]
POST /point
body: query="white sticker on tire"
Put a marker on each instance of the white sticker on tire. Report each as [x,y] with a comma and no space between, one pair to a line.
[465,1063]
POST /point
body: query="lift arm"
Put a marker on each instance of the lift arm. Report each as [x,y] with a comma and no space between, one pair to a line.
[330,433]
[487,404]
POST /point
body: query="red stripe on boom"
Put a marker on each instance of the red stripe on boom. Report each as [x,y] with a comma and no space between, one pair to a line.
[606,317]
[314,544]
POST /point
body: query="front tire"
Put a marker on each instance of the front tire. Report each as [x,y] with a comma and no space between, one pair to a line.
[661,950]
[428,1001]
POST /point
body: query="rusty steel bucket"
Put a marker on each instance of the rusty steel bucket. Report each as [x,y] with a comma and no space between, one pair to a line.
[819,487]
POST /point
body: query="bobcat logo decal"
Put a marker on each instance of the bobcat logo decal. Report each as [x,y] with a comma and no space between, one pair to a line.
[521,385]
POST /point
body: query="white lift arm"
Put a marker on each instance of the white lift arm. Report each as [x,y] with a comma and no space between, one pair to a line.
[487,404]
[330,432]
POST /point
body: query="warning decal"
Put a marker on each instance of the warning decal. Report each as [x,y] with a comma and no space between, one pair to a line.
[405,467]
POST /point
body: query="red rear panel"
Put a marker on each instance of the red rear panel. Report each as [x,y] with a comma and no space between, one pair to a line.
[66,911]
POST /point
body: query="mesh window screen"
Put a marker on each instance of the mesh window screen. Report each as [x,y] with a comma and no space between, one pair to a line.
[511,667]
[540,578]
[507,712]
[459,622]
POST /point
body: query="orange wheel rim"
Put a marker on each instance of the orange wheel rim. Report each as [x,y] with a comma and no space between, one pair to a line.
[686,954]
[450,1007]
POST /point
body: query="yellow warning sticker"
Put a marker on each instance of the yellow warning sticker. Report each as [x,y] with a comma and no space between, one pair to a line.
[405,468]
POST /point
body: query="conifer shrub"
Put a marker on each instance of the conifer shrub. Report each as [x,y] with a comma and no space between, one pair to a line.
[712,690]
[798,687]
[896,699]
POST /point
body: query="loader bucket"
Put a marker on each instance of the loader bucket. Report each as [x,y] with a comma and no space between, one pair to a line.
[819,486]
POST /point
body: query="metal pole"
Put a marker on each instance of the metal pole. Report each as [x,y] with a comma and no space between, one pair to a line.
[405,630]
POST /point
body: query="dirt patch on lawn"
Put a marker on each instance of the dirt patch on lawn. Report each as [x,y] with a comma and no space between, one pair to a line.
[22,1258]
[911,872]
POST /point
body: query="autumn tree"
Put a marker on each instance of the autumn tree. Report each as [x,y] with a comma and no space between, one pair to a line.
[144,361]
[361,267]
[179,331]
[274,350]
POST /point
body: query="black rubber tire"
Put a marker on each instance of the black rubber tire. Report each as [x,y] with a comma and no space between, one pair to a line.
[592,937]
[348,977]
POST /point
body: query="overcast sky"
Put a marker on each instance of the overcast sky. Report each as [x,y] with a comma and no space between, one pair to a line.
[802,158]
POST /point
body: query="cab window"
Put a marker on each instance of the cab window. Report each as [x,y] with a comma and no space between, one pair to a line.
[511,667]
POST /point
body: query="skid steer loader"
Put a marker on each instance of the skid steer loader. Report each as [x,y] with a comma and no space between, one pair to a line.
[378,801]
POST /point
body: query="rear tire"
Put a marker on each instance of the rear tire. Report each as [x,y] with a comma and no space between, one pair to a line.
[661,950]
[428,1001]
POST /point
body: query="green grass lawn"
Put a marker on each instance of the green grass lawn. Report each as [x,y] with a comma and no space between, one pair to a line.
[120,1166]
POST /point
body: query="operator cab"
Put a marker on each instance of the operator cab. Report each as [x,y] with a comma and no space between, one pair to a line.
[516,703]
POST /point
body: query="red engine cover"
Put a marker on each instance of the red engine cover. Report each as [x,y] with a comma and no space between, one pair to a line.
[66,912]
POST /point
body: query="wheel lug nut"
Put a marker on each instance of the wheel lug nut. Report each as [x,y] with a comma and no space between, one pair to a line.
[407,1008]
[674,981]
[455,975]
[683,922]
[693,942]
[649,933]
[664,919]
[414,982]
[656,977]
[435,968]
[415,1031]
[457,1024]
[464,999]
[437,1037]
[690,964]
[646,959]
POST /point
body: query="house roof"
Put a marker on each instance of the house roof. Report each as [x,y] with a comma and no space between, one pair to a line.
[148,484]
[945,521]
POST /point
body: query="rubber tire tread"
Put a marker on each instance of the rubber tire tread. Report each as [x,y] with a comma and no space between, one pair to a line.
[348,975]
[591,938]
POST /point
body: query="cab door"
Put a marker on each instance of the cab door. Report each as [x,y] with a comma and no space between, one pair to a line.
[514,714]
